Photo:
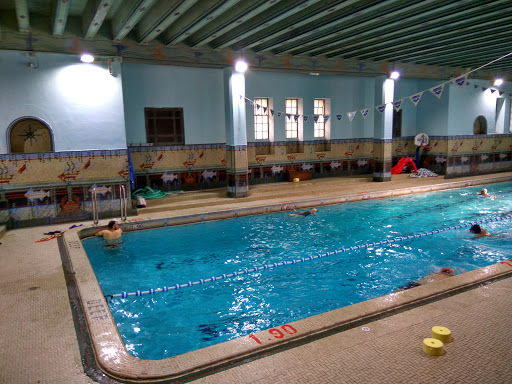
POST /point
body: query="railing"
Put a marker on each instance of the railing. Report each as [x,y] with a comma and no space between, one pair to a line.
[95,211]
[123,202]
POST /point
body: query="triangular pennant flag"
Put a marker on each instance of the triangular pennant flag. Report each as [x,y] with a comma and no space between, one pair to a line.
[476,85]
[338,117]
[305,118]
[289,116]
[468,83]
[364,112]
[257,107]
[296,117]
[397,104]
[461,81]
[326,117]
[381,108]
[265,110]
[484,89]
[438,91]
[272,112]
[315,118]
[351,115]
[279,113]
[416,98]
[240,97]
[493,90]
[501,93]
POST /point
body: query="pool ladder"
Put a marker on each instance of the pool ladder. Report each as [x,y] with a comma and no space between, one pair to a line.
[123,204]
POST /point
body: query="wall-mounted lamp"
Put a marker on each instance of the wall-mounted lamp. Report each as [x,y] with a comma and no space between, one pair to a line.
[241,66]
[394,75]
[87,58]
[498,82]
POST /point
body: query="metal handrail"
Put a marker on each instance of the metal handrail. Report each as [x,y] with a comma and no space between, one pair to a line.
[123,202]
[95,212]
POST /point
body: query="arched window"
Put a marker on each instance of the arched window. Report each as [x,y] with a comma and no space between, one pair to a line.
[480,126]
[30,135]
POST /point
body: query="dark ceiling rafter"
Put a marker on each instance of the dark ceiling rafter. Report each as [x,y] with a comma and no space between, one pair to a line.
[326,36]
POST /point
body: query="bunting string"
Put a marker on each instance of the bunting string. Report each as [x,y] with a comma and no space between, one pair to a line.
[415,98]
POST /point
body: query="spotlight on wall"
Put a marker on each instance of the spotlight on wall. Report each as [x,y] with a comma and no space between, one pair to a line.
[240,66]
[394,75]
[86,58]
[498,82]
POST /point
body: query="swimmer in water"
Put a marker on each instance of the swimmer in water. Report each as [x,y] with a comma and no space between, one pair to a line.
[313,211]
[433,277]
[113,232]
[478,231]
[483,192]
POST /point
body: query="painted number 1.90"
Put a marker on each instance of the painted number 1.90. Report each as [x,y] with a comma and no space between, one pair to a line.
[277,333]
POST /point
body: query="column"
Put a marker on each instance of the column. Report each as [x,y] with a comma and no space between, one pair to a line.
[236,134]
[383,129]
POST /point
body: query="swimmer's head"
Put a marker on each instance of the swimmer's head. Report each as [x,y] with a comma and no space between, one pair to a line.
[483,192]
[112,223]
[314,210]
[447,271]
[475,229]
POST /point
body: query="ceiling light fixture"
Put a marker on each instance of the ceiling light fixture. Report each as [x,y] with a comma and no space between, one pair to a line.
[86,58]
[394,75]
[498,82]
[241,66]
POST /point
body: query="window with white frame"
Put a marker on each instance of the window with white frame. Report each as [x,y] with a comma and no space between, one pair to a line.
[261,120]
[292,126]
[319,122]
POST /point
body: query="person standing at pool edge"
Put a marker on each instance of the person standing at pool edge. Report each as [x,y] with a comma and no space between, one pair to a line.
[112,232]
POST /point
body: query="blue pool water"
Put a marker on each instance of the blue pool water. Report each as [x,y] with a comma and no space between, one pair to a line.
[171,323]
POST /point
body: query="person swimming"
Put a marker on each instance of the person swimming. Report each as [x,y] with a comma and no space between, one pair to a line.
[478,231]
[313,211]
[433,277]
[483,192]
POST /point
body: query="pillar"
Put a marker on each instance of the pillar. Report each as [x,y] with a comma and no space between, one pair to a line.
[236,134]
[383,129]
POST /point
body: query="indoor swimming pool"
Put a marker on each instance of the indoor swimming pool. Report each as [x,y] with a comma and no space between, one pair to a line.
[286,288]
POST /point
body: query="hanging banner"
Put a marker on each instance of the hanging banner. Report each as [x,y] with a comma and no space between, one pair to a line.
[461,81]
[252,103]
[316,118]
[381,108]
[338,117]
[279,113]
[272,112]
[305,118]
[364,112]
[326,117]
[416,98]
[265,110]
[289,117]
[296,117]
[351,115]
[398,104]
[438,91]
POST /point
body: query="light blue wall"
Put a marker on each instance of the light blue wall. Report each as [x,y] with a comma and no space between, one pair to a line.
[403,89]
[432,112]
[347,94]
[81,103]
[199,91]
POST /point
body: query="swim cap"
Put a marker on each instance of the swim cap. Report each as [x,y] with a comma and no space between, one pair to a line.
[475,229]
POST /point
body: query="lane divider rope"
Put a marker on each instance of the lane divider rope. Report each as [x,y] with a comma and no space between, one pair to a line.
[246,271]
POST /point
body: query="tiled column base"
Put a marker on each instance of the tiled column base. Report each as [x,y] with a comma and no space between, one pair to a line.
[237,169]
[382,159]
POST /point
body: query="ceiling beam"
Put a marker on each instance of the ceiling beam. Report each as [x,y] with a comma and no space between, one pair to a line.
[161,17]
[473,57]
[198,17]
[388,42]
[60,17]
[22,15]
[128,16]
[253,25]
[94,15]
[381,28]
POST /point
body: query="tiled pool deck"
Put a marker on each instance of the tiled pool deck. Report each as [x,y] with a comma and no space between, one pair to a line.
[41,342]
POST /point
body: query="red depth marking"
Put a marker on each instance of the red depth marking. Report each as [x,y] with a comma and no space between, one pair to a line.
[505,262]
